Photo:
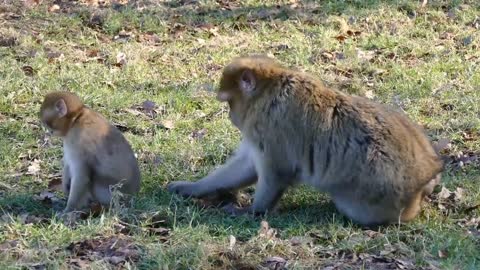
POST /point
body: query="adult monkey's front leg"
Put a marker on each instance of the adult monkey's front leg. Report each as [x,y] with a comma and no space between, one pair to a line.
[236,173]
[268,191]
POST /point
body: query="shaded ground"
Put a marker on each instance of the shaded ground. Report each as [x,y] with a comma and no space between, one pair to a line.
[150,67]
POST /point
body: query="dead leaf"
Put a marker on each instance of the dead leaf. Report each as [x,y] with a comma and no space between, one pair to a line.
[45,196]
[8,41]
[275,263]
[7,245]
[442,145]
[34,167]
[168,124]
[341,38]
[28,70]
[27,218]
[124,36]
[365,55]
[198,134]
[467,41]
[442,253]
[159,231]
[114,250]
[445,193]
[353,33]
[231,242]
[79,263]
[265,231]
[32,3]
[369,94]
[55,184]
[54,8]
[121,59]
[149,106]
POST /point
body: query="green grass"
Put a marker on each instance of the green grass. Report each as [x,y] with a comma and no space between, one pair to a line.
[425,60]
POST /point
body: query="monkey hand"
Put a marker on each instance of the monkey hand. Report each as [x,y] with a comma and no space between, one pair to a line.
[184,188]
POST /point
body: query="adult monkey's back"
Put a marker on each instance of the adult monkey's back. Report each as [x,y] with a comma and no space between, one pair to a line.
[375,163]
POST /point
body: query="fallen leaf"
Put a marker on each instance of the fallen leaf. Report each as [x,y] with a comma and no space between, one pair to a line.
[32,3]
[159,231]
[442,253]
[8,41]
[149,106]
[231,242]
[45,196]
[467,41]
[341,38]
[54,8]
[114,250]
[27,218]
[28,70]
[369,94]
[34,167]
[121,59]
[265,231]
[123,36]
[275,263]
[441,145]
[198,134]
[55,184]
[365,55]
[445,193]
[7,245]
[168,124]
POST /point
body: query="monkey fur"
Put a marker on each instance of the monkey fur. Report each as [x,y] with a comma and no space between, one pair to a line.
[374,162]
[96,154]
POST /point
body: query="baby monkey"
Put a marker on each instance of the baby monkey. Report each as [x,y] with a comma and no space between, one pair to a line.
[96,155]
[374,162]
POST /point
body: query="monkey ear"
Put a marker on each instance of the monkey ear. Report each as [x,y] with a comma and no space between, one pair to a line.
[61,107]
[247,81]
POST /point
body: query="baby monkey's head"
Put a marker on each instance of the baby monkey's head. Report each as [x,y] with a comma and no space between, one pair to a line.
[58,110]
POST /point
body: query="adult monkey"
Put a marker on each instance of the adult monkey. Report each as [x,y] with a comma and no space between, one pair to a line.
[374,162]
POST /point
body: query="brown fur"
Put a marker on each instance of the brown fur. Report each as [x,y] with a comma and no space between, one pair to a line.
[373,161]
[96,155]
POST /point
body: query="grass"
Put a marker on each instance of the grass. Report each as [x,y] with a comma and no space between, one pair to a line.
[422,59]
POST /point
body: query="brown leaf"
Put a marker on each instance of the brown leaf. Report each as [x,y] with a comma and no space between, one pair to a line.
[123,36]
[198,134]
[28,70]
[34,167]
[55,184]
[32,219]
[46,196]
[79,263]
[168,124]
[275,263]
[341,38]
[8,41]
[441,145]
[442,253]
[149,106]
[32,3]
[114,249]
[231,242]
[265,231]
[365,55]
[54,8]
[7,245]
[121,59]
